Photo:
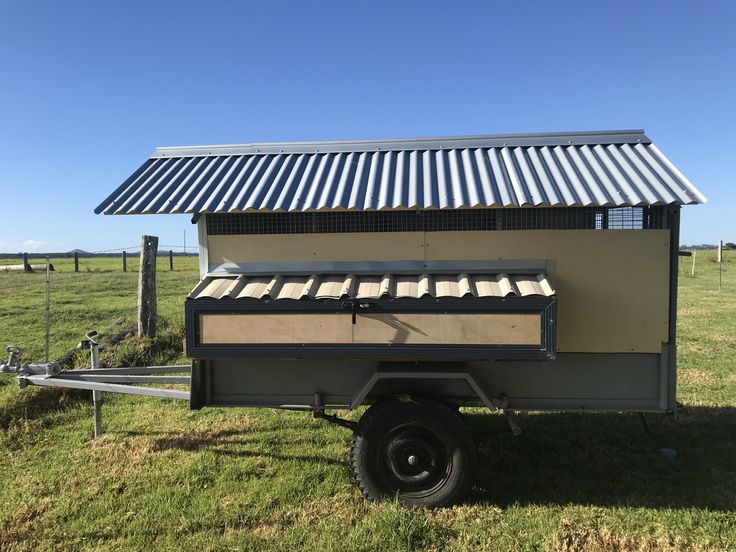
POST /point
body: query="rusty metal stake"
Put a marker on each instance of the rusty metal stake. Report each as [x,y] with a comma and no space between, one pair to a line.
[48,309]
[94,349]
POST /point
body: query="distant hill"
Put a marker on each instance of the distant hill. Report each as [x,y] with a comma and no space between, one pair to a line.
[80,251]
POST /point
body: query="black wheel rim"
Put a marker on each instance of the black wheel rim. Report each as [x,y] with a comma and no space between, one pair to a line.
[414,460]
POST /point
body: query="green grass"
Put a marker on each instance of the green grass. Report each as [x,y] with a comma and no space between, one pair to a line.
[95,298]
[166,478]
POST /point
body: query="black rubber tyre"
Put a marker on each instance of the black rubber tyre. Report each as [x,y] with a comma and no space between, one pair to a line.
[418,450]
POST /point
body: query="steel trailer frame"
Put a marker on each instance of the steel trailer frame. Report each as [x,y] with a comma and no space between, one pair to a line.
[109,380]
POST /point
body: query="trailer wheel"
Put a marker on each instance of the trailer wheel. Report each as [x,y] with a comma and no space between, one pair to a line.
[418,450]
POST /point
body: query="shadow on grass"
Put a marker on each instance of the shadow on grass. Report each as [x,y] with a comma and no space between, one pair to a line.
[285,457]
[607,460]
[221,443]
[564,459]
[35,403]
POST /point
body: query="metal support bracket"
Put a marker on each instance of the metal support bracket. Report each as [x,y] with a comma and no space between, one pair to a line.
[360,396]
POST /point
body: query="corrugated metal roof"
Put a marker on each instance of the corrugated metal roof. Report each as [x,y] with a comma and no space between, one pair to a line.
[557,170]
[351,286]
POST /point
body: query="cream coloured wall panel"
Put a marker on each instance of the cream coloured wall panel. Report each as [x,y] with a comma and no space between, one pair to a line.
[388,246]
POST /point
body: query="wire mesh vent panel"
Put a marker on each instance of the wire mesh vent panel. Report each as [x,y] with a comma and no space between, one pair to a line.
[563,218]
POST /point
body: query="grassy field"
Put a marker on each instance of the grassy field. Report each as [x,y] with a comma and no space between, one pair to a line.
[164,478]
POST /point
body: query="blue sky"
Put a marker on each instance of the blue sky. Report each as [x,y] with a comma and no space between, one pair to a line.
[89,89]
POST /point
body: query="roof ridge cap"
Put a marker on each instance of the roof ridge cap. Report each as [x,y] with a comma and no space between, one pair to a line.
[405,144]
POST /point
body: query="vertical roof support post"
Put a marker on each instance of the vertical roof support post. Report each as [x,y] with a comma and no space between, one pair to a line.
[202,238]
[673,223]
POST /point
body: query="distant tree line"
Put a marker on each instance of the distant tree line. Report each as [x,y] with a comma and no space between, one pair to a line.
[726,245]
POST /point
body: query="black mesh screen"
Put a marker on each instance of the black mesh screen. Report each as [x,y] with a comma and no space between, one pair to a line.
[553,218]
[628,218]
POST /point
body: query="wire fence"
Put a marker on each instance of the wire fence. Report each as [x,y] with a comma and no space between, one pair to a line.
[99,296]
[41,283]
[84,261]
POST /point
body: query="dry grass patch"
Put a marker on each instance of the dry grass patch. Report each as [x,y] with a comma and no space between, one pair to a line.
[574,538]
[117,456]
[266,530]
[694,377]
[187,441]
[196,438]
[729,339]
[692,311]
[695,349]
[463,515]
[17,533]
[344,510]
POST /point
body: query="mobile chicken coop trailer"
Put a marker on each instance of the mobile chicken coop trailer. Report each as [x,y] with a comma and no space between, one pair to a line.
[519,272]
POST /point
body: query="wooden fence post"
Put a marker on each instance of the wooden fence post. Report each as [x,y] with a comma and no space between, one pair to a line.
[692,272]
[76,262]
[171,260]
[125,262]
[147,287]
[720,264]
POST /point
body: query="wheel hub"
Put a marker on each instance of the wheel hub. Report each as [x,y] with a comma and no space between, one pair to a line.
[415,460]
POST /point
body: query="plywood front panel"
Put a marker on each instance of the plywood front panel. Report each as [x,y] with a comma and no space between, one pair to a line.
[449,329]
[436,329]
[274,328]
